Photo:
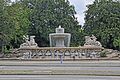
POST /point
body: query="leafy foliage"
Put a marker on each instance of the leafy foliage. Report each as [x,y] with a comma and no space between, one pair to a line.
[14,23]
[103,20]
[41,17]
[18,15]
[47,15]
[5,31]
[36,17]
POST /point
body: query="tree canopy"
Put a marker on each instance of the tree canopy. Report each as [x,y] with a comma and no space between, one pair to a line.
[14,23]
[36,17]
[5,31]
[103,20]
[41,17]
[47,15]
[18,15]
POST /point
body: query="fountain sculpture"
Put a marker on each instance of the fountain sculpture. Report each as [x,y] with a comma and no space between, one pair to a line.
[91,41]
[60,43]
[27,44]
[59,39]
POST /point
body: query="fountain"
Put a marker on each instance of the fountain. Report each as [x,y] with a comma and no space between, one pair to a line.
[59,47]
[59,39]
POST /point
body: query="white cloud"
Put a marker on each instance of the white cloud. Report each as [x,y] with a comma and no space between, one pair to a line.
[80,18]
[89,1]
[80,7]
[79,4]
[13,0]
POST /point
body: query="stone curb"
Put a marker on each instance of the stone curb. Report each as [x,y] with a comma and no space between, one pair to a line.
[65,74]
[58,59]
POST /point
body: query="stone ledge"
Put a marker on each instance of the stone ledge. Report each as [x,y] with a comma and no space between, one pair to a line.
[97,59]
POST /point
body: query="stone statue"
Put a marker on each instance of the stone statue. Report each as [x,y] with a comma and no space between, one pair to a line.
[32,41]
[91,40]
[28,43]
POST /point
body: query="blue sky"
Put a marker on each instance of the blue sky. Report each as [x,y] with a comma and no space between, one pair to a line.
[80,7]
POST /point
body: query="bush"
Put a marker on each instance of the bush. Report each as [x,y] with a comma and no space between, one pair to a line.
[103,54]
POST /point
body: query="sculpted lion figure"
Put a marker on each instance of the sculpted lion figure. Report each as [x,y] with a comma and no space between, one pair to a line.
[91,40]
[29,43]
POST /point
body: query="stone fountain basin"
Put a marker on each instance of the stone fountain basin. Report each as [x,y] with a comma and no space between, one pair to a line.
[60,34]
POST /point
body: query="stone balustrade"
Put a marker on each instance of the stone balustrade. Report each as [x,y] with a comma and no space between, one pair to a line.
[56,52]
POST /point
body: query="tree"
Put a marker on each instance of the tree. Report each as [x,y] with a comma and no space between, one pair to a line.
[4,25]
[18,16]
[103,20]
[14,23]
[47,15]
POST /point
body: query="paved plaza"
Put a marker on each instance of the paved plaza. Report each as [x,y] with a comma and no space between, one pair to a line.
[54,70]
